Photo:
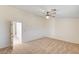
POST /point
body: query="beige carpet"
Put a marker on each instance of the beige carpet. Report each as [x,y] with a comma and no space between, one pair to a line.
[45,46]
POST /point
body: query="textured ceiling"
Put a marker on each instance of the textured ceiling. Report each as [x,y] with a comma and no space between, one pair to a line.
[69,11]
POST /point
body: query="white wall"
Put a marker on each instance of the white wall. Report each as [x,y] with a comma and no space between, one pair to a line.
[50,27]
[66,29]
[33,26]
[4,33]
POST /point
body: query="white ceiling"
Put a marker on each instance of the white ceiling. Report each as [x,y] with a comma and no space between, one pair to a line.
[62,10]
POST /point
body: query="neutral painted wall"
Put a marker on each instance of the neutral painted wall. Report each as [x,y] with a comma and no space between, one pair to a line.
[4,33]
[33,28]
[50,27]
[66,29]
[33,25]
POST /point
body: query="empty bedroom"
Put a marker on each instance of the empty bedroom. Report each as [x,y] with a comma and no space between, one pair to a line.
[39,29]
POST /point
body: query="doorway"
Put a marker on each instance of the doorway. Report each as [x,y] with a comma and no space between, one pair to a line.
[16,36]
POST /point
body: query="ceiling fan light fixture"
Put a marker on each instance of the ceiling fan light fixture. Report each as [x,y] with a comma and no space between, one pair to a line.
[47,17]
[49,14]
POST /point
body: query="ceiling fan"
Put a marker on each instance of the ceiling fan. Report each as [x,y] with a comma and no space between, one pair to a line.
[50,13]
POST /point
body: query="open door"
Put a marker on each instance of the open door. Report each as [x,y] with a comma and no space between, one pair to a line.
[16,36]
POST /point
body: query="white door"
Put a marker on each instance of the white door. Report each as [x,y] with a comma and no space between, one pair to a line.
[16,33]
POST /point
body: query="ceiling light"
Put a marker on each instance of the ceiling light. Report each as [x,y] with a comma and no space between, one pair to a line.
[50,13]
[47,17]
